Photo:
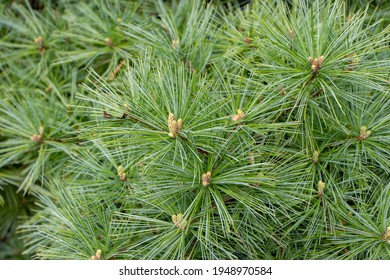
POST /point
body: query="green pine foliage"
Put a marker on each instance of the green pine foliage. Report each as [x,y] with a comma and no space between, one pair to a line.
[194,130]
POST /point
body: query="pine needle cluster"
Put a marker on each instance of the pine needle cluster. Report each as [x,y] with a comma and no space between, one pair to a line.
[194,130]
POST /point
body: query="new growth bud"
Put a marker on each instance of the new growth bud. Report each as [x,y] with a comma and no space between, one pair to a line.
[109,42]
[239,116]
[38,40]
[121,173]
[364,133]
[386,235]
[179,221]
[321,187]
[206,179]
[316,154]
[174,126]
[97,256]
[315,63]
[38,137]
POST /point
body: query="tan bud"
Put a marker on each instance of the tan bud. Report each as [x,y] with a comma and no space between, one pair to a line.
[179,221]
[174,126]
[239,116]
[387,235]
[36,138]
[206,179]
[109,42]
[121,173]
[179,125]
[99,254]
[38,40]
[247,40]
[315,156]
[321,60]
[364,133]
[321,187]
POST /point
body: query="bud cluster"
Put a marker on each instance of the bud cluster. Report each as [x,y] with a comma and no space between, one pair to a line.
[179,221]
[174,126]
[109,42]
[321,187]
[39,41]
[386,236]
[315,156]
[121,173]
[239,116]
[316,63]
[206,179]
[97,256]
[364,133]
[38,137]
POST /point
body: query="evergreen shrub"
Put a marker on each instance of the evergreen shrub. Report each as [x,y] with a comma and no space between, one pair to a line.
[194,130]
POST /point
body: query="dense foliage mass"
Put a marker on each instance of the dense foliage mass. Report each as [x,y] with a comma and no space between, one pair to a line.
[194,130]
